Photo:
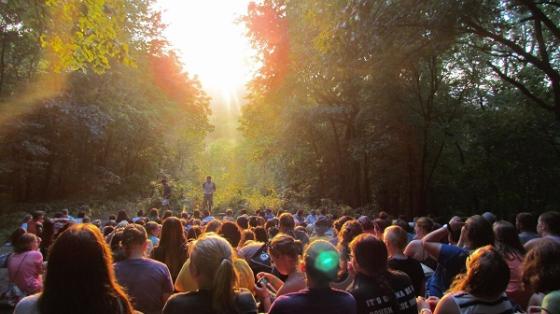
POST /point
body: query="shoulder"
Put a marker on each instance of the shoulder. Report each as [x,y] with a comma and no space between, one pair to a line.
[35,253]
[447,305]
[28,305]
[399,277]
[180,302]
[246,301]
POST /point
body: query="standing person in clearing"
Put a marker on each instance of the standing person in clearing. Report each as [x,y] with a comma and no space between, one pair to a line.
[209,188]
[166,193]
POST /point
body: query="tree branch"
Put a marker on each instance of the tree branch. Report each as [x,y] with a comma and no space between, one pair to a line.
[521,87]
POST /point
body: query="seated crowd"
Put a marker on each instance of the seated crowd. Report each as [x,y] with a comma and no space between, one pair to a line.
[281,262]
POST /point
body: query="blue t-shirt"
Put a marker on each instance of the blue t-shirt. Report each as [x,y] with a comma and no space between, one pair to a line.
[315,301]
[145,281]
[451,261]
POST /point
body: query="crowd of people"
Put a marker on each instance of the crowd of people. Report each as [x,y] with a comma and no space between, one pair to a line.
[282,262]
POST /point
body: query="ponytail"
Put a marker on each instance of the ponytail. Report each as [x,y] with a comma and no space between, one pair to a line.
[222,292]
[213,256]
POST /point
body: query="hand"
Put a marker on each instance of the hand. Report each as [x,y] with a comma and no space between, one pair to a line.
[456,223]
[422,303]
[274,281]
[261,292]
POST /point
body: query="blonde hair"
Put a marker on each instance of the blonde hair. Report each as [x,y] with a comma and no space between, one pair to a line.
[212,256]
[396,236]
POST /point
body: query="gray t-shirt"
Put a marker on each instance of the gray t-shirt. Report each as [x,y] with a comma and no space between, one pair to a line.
[145,281]
[209,188]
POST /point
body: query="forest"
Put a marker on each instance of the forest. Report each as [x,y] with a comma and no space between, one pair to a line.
[413,107]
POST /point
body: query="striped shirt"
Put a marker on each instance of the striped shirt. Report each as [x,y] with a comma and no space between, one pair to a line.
[469,304]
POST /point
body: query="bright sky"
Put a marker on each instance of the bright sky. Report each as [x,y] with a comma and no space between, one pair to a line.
[211,44]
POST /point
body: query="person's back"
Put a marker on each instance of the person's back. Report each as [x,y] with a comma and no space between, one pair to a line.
[145,281]
[25,266]
[320,301]
[365,289]
[469,304]
[200,302]
[413,269]
[321,266]
[481,289]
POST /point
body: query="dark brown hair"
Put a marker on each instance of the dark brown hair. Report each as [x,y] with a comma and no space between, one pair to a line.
[231,232]
[80,276]
[507,241]
[172,248]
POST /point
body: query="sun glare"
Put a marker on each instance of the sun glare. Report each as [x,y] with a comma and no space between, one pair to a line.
[211,44]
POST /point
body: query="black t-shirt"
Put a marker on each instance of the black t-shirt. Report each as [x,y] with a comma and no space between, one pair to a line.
[373,294]
[315,301]
[412,268]
[201,302]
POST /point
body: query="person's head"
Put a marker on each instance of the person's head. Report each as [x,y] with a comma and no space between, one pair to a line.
[27,218]
[246,235]
[153,228]
[172,234]
[134,239]
[107,230]
[122,216]
[212,226]
[140,213]
[193,233]
[272,232]
[166,214]
[300,212]
[549,223]
[402,223]
[212,268]
[153,213]
[284,251]
[208,179]
[27,242]
[38,216]
[379,226]
[423,226]
[286,223]
[541,269]
[490,217]
[506,240]
[80,275]
[260,234]
[321,263]
[349,231]
[366,223]
[196,214]
[243,222]
[253,221]
[271,223]
[478,232]
[395,238]
[65,212]
[172,245]
[340,222]
[231,232]
[322,225]
[229,212]
[369,254]
[525,221]
[487,274]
